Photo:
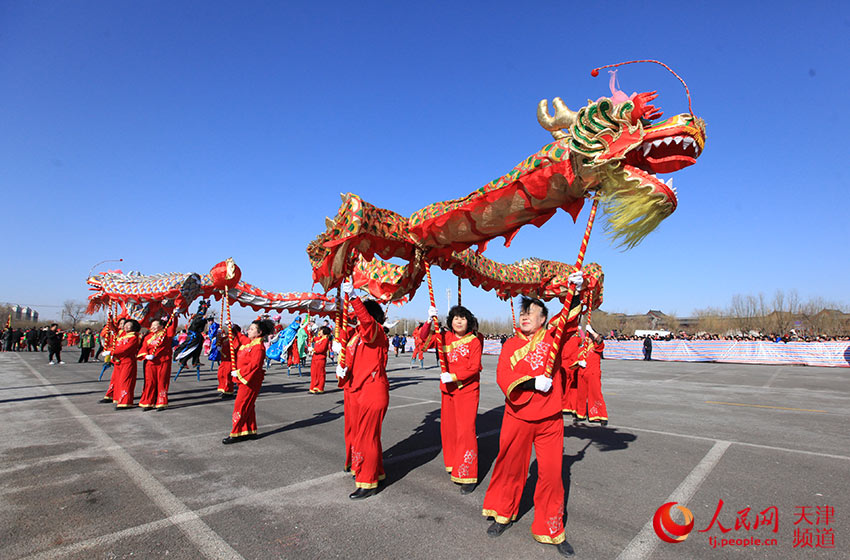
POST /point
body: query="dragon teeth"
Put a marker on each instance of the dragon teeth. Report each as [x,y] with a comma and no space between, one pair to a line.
[678,139]
[687,142]
[668,140]
[646,148]
[657,143]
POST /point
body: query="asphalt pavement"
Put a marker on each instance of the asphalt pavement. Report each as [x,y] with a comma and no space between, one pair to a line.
[79,479]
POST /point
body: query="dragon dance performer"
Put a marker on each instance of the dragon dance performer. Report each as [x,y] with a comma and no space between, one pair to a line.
[157,350]
[369,392]
[109,334]
[460,391]
[570,368]
[124,359]
[250,373]
[533,415]
[349,413]
[225,366]
[589,399]
[321,345]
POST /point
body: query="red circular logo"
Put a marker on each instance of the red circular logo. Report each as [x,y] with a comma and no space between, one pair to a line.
[667,529]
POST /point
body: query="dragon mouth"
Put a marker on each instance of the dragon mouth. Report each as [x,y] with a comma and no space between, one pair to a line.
[654,185]
[670,145]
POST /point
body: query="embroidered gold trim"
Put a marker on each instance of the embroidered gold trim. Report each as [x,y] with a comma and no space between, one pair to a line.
[366,485]
[546,539]
[245,433]
[501,519]
[464,480]
[524,350]
[459,342]
[513,385]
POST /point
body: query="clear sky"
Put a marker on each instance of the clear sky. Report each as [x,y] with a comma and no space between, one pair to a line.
[176,134]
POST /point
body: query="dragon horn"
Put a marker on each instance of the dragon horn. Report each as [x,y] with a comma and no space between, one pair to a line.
[563,117]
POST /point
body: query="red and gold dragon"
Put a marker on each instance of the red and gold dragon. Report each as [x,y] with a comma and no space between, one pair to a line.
[609,150]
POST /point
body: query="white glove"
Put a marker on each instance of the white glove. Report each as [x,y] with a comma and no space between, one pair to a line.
[336,347]
[582,364]
[149,357]
[347,287]
[542,383]
[106,352]
[591,331]
[446,378]
[310,351]
[577,279]
[432,312]
[234,373]
[341,371]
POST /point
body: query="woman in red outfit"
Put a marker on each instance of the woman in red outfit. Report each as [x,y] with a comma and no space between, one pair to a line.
[249,372]
[225,366]
[369,389]
[124,359]
[460,394]
[321,344]
[156,350]
[590,402]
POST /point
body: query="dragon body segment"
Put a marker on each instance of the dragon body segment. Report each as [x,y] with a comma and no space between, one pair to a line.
[608,149]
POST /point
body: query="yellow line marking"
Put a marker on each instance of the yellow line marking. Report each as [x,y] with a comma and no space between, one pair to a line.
[765,406]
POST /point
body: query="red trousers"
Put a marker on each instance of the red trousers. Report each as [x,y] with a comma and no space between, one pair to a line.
[349,408]
[457,428]
[124,378]
[110,392]
[367,458]
[317,373]
[591,403]
[225,381]
[511,469]
[570,390]
[157,379]
[244,414]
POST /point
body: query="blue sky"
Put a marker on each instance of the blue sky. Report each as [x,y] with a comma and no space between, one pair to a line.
[176,134]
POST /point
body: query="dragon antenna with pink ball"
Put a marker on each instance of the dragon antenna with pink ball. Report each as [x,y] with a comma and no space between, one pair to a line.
[595,72]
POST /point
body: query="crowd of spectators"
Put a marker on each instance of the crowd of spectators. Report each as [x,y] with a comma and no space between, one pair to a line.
[752,337]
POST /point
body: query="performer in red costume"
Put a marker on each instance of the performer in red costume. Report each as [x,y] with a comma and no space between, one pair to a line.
[250,373]
[533,404]
[225,366]
[321,345]
[591,403]
[156,351]
[366,365]
[124,358]
[459,387]
[108,335]
[570,373]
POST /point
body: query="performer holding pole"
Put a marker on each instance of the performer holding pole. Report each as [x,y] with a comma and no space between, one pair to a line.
[459,388]
[157,351]
[250,373]
[532,416]
[364,360]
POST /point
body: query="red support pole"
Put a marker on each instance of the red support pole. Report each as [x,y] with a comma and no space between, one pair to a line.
[559,328]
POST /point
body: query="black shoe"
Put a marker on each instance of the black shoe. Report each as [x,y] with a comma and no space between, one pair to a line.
[105,400]
[252,436]
[363,493]
[496,529]
[161,408]
[346,469]
[467,488]
[603,423]
[146,408]
[232,439]
[566,549]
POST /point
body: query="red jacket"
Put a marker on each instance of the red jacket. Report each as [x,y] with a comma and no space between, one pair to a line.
[524,358]
[462,355]
[159,344]
[249,361]
[367,351]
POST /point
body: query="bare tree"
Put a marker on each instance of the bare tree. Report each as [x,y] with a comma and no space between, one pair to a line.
[743,311]
[73,311]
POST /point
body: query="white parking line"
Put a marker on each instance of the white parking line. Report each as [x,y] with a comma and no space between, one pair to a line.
[645,542]
[210,544]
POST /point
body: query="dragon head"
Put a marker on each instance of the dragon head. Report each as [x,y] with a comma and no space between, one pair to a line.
[617,149]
